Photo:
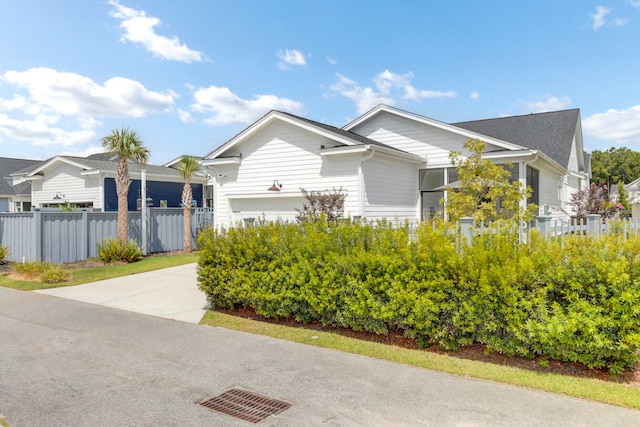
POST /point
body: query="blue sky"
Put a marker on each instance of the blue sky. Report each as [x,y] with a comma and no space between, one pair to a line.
[189,75]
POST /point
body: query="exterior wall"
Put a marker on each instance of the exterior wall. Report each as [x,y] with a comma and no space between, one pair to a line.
[291,155]
[391,189]
[156,190]
[573,158]
[414,137]
[66,179]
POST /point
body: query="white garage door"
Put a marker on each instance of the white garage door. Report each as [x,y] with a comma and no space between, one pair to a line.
[271,208]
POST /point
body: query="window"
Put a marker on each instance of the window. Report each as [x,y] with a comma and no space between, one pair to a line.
[208,195]
[533,181]
[431,181]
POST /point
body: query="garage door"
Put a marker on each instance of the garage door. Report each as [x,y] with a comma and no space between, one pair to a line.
[271,209]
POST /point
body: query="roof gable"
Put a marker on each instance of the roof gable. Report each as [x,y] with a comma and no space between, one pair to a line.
[552,133]
[467,133]
[93,165]
[341,136]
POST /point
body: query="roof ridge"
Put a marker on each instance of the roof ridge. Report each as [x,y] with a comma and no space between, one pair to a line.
[517,116]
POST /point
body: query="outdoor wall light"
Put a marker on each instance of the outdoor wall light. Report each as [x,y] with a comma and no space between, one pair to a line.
[59,196]
[276,186]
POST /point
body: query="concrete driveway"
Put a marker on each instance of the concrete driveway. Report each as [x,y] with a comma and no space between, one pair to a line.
[68,363]
[171,293]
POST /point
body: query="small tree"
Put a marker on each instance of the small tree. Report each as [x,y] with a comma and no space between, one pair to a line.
[126,145]
[623,195]
[593,200]
[329,203]
[485,192]
[187,166]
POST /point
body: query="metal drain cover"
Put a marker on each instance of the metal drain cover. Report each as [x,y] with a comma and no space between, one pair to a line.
[246,405]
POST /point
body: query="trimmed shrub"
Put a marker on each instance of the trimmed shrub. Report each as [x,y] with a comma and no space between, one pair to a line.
[53,274]
[43,271]
[4,253]
[111,250]
[576,301]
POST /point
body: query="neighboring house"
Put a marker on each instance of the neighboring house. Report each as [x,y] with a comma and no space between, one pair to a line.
[633,188]
[390,163]
[90,183]
[15,196]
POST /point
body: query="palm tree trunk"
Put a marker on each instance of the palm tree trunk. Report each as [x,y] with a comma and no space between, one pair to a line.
[122,189]
[186,210]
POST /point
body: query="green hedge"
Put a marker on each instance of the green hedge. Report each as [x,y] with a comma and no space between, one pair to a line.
[576,300]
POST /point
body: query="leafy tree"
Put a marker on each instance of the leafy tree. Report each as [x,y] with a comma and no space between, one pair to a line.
[126,145]
[187,166]
[614,165]
[329,203]
[593,200]
[485,192]
[623,196]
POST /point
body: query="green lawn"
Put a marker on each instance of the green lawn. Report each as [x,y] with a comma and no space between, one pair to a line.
[105,272]
[597,390]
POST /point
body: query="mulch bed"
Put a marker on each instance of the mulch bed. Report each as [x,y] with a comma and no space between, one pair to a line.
[472,352]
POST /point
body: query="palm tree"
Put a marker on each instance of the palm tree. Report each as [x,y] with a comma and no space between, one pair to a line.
[126,145]
[187,166]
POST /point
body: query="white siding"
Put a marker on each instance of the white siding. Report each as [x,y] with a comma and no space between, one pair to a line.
[573,158]
[290,155]
[549,189]
[414,137]
[391,189]
[66,179]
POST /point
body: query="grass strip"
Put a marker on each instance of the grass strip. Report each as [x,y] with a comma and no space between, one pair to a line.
[109,271]
[586,388]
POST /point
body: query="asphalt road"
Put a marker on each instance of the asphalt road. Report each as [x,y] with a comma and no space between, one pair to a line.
[68,363]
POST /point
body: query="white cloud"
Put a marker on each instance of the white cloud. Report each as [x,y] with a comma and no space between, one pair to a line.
[331,61]
[364,98]
[39,132]
[387,84]
[548,103]
[634,3]
[75,95]
[139,29]
[226,107]
[621,126]
[185,116]
[599,18]
[474,95]
[52,102]
[290,57]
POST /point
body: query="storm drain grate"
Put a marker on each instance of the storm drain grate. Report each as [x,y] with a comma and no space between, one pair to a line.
[246,405]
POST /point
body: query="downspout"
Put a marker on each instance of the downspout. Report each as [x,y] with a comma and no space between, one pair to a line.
[372,153]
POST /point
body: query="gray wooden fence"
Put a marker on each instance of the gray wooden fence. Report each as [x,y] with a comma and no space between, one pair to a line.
[59,237]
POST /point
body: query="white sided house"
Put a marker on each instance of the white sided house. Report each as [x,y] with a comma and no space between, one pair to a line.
[90,183]
[390,163]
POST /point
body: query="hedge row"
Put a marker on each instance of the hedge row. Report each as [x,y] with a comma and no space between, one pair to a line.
[576,301]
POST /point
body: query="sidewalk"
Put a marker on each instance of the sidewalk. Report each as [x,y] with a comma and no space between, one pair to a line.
[171,293]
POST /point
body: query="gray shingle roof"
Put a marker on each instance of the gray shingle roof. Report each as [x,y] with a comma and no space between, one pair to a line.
[5,187]
[551,133]
[108,165]
[10,165]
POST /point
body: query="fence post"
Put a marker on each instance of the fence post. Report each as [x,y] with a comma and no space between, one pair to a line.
[85,236]
[466,228]
[37,235]
[543,224]
[594,225]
